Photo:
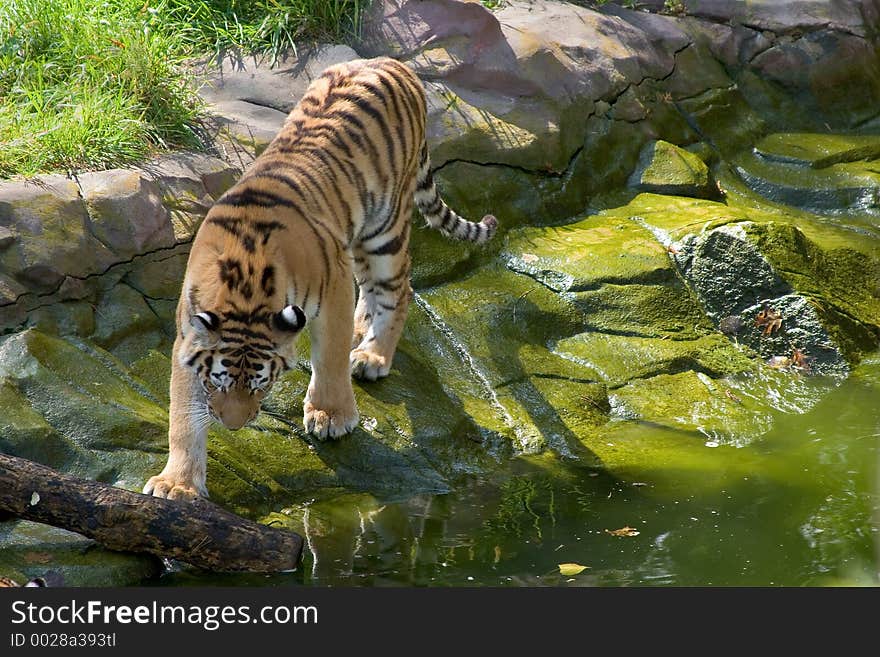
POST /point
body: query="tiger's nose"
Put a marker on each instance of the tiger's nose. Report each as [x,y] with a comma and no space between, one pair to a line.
[236,420]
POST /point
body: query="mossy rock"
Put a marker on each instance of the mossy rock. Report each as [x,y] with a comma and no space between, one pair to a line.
[49,234]
[691,401]
[622,358]
[66,559]
[126,325]
[738,257]
[724,118]
[840,270]
[494,327]
[846,186]
[668,312]
[665,168]
[817,150]
[92,417]
[586,254]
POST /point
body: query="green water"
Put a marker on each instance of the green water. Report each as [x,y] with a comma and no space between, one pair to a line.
[796,505]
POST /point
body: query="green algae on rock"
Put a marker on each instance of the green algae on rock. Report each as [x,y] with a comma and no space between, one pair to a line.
[665,168]
[816,150]
[34,550]
[829,174]
[97,420]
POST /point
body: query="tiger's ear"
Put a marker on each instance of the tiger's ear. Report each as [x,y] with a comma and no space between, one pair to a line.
[206,328]
[290,320]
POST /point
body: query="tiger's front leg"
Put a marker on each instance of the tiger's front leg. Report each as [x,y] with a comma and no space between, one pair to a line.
[184,475]
[329,409]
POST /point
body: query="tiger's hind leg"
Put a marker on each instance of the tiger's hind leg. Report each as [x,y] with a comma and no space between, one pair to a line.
[385,294]
[363,312]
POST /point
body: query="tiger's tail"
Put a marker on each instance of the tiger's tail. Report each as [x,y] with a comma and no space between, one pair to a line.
[440,217]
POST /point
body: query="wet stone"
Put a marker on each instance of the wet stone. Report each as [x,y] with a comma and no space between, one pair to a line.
[818,151]
[665,168]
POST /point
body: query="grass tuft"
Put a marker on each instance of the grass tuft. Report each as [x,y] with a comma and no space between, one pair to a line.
[88,84]
[271,26]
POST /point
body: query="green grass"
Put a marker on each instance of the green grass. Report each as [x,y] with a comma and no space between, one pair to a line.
[92,84]
[260,25]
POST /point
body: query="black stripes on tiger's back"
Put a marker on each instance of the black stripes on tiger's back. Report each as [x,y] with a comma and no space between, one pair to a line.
[248,231]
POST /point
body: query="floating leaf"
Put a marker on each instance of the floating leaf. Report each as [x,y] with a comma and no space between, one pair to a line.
[569,569]
[623,531]
[529,258]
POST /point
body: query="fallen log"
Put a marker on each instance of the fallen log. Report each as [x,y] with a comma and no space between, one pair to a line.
[198,532]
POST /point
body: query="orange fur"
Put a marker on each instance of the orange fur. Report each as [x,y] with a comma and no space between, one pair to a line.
[329,200]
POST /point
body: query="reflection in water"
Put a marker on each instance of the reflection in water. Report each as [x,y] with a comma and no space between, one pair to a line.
[798,505]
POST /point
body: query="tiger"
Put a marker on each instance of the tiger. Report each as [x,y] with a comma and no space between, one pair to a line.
[326,208]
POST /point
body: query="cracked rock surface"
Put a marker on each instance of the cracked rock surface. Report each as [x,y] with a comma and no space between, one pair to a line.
[666,187]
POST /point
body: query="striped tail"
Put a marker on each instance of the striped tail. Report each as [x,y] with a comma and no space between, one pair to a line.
[440,217]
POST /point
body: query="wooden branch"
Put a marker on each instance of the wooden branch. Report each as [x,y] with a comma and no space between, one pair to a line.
[198,532]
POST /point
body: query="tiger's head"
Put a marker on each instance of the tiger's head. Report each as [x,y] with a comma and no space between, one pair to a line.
[237,357]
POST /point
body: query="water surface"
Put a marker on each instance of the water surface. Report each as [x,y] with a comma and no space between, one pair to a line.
[796,505]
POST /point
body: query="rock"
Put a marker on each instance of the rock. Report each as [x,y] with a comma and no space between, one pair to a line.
[242,130]
[190,183]
[837,74]
[818,151]
[126,326]
[72,317]
[728,271]
[262,82]
[692,402]
[49,222]
[743,259]
[665,168]
[784,16]
[7,237]
[732,45]
[36,550]
[696,72]
[126,212]
[10,290]
[620,359]
[725,119]
[847,186]
[626,333]
[492,354]
[516,84]
[61,242]
[96,420]
[71,405]
[585,255]
[250,98]
[160,276]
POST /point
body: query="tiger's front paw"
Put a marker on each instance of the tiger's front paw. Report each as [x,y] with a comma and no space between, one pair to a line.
[325,424]
[368,365]
[173,488]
